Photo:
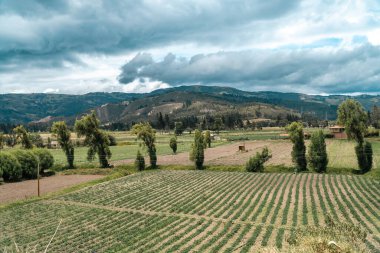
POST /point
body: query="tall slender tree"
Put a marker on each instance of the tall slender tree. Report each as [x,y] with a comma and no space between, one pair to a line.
[352,115]
[147,134]
[63,135]
[96,139]
[317,156]
[295,130]
[197,153]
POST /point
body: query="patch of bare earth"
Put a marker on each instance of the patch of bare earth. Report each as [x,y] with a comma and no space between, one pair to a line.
[10,192]
[230,154]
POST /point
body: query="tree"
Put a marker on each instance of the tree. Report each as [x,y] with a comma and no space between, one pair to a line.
[36,140]
[63,135]
[2,140]
[11,139]
[352,115]
[375,116]
[139,162]
[295,130]
[197,153]
[22,134]
[208,138]
[95,138]
[147,134]
[48,143]
[160,121]
[317,156]
[173,144]
[218,124]
[256,163]
[178,128]
[364,155]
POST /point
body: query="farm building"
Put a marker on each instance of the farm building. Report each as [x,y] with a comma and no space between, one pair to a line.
[338,132]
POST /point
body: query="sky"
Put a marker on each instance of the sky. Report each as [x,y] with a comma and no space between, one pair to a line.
[81,46]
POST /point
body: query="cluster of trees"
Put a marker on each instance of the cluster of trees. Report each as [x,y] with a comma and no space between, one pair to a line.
[24,163]
[224,121]
[352,116]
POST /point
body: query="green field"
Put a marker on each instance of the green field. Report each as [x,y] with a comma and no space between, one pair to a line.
[193,211]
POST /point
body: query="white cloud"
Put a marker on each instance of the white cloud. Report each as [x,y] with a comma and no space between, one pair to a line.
[79,46]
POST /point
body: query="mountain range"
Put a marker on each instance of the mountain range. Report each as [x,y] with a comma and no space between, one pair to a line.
[178,101]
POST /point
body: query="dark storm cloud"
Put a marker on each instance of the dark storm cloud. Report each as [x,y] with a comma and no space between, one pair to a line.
[307,70]
[110,25]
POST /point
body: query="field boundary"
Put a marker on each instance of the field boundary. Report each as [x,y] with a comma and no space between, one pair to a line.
[162,213]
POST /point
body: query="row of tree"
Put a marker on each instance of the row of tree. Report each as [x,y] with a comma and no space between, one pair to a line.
[353,117]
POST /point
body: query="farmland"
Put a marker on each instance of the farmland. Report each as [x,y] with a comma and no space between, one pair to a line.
[193,211]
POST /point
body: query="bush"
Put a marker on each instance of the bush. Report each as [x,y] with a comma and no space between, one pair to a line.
[372,132]
[139,162]
[10,167]
[329,136]
[173,144]
[28,162]
[317,156]
[112,140]
[256,163]
[364,154]
[45,158]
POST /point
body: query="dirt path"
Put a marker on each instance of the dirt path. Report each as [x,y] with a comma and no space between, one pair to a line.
[229,154]
[21,190]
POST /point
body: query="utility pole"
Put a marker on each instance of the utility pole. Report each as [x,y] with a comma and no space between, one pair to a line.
[38,178]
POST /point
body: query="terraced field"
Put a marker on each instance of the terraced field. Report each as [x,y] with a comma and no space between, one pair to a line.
[193,211]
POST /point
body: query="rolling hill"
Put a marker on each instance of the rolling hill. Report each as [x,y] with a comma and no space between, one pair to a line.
[179,101]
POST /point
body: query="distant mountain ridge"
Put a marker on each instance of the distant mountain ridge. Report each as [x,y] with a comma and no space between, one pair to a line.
[181,100]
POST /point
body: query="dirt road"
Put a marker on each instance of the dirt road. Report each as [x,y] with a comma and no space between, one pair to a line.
[10,192]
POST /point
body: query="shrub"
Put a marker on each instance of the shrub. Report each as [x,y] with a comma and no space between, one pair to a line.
[256,163]
[173,144]
[10,167]
[364,154]
[372,132]
[329,136]
[45,158]
[178,128]
[112,140]
[317,156]
[139,162]
[28,162]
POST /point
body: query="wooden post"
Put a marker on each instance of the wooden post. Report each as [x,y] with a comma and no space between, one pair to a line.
[38,178]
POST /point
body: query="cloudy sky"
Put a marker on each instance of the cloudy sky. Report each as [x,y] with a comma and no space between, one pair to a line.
[81,46]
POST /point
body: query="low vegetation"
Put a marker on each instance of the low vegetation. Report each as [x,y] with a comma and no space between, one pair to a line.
[239,212]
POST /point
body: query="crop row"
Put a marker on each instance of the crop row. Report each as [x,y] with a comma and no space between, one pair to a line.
[186,211]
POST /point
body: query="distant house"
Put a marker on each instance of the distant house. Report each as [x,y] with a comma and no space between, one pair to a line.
[55,144]
[338,132]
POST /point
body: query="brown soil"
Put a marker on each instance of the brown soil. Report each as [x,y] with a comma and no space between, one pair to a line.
[229,154]
[22,190]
